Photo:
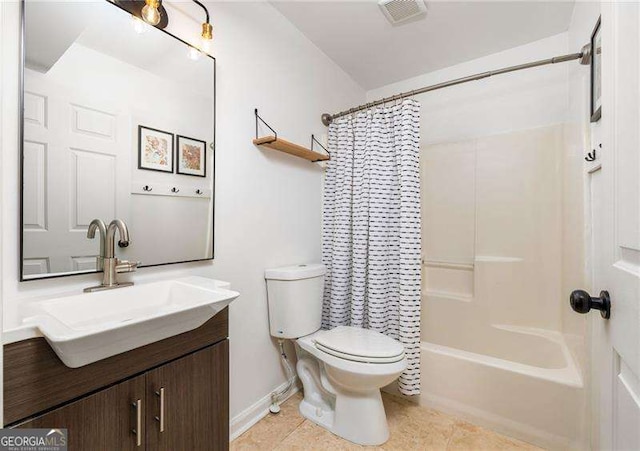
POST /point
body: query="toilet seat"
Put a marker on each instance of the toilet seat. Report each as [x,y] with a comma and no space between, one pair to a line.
[359,345]
[358,358]
[308,343]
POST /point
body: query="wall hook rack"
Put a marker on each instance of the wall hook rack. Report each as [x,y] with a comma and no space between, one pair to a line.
[172,189]
[276,143]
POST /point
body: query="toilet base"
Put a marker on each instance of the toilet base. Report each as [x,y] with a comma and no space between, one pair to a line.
[319,416]
[359,418]
[343,396]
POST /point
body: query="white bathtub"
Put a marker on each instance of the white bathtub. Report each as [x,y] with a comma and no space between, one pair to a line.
[519,381]
[496,263]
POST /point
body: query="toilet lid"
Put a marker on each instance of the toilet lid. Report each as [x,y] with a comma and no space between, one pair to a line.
[361,345]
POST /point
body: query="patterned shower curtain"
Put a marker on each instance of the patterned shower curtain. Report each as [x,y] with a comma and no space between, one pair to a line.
[371,228]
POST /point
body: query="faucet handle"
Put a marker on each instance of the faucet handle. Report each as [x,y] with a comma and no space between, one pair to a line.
[126,266]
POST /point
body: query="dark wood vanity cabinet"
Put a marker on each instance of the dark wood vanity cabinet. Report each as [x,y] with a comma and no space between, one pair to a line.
[194,408]
[182,403]
[101,421]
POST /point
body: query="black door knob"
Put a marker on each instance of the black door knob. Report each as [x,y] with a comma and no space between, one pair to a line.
[582,302]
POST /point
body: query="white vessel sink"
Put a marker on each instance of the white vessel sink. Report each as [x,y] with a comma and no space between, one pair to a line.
[85,328]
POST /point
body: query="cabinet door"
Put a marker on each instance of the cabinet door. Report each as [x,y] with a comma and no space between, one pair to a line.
[189,398]
[102,421]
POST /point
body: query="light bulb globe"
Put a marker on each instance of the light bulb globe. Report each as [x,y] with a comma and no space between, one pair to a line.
[205,45]
[151,15]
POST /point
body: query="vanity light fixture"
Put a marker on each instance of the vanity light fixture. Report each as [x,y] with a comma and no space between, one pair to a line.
[151,12]
[207,28]
[148,12]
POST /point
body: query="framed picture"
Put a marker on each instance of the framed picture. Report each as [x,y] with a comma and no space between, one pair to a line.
[155,149]
[596,74]
[191,156]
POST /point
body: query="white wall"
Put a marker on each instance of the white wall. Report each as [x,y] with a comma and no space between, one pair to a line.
[520,100]
[267,204]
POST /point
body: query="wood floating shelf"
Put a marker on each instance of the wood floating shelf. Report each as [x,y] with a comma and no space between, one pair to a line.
[282,145]
[275,143]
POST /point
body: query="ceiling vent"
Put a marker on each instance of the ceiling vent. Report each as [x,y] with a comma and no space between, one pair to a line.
[400,11]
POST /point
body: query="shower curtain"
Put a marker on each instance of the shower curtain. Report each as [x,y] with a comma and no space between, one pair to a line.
[371,228]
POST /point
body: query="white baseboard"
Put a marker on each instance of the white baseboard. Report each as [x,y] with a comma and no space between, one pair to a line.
[256,412]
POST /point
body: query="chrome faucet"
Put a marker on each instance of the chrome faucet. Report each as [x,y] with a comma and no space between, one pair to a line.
[111,265]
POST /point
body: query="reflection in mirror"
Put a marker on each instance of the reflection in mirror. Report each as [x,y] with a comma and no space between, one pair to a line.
[118,123]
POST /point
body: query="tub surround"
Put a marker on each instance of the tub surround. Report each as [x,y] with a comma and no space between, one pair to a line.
[504,193]
[503,205]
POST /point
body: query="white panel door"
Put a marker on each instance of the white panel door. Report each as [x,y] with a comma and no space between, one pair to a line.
[615,204]
[77,156]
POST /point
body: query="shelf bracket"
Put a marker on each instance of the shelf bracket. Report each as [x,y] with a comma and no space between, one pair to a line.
[258,118]
[313,139]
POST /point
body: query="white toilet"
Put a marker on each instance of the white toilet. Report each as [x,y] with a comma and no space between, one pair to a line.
[343,369]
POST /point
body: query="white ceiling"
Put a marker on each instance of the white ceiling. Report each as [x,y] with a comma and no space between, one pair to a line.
[356,35]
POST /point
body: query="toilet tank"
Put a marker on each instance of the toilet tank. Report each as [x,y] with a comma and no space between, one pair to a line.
[295,299]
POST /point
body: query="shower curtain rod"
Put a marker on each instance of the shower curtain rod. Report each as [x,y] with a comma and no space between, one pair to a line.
[584,56]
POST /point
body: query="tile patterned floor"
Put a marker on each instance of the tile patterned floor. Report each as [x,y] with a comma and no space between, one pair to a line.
[412,428]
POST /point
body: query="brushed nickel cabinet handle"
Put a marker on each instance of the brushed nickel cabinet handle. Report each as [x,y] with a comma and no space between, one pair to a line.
[138,430]
[160,419]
